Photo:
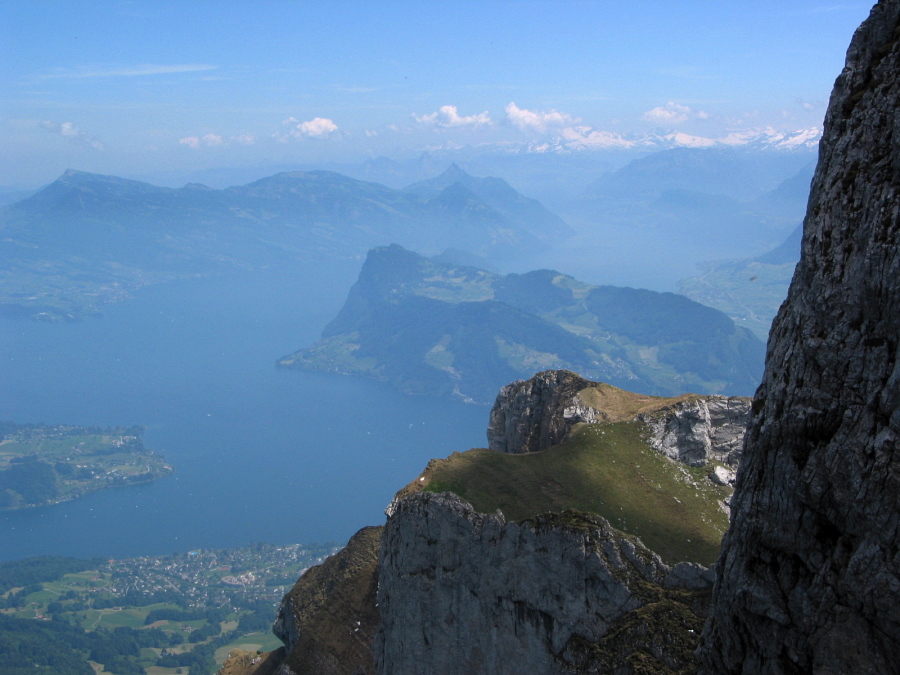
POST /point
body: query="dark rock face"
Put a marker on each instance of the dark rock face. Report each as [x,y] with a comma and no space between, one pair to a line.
[810,570]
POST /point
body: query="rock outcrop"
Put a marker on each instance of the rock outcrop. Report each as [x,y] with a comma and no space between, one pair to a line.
[242,662]
[810,570]
[536,414]
[701,429]
[533,415]
[462,592]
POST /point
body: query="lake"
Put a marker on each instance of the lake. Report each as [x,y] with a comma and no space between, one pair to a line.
[260,454]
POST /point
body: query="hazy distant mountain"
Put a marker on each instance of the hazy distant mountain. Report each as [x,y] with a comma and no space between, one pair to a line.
[431,328]
[652,221]
[9,195]
[86,238]
[738,174]
[500,196]
[792,193]
[749,291]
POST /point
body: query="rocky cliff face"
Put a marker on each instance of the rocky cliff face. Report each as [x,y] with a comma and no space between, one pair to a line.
[533,415]
[462,592]
[810,571]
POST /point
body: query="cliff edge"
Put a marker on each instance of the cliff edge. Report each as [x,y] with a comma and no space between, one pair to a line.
[463,592]
[810,572]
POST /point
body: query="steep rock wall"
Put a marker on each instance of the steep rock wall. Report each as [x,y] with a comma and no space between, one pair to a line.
[810,570]
[462,592]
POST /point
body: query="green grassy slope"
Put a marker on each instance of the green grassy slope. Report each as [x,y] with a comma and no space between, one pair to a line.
[607,469]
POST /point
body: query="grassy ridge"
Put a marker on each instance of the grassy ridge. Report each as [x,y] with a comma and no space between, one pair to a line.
[607,469]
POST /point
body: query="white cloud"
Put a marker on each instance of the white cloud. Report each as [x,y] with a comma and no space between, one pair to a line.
[585,137]
[70,132]
[535,121]
[670,113]
[318,127]
[448,116]
[215,140]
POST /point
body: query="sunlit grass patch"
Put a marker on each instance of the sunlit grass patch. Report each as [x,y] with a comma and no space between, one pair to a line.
[607,469]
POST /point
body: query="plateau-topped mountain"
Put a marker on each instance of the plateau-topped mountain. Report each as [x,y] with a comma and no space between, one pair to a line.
[85,238]
[525,557]
[429,327]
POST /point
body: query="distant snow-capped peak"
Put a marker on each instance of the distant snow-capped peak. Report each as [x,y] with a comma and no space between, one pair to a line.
[580,139]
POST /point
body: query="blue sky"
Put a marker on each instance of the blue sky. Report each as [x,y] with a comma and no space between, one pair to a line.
[129,88]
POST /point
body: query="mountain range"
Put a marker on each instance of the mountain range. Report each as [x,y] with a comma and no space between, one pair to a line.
[87,239]
[437,328]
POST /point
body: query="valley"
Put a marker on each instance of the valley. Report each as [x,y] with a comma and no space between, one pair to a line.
[198,605]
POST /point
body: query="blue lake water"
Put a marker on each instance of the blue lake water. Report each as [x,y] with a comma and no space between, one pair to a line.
[260,454]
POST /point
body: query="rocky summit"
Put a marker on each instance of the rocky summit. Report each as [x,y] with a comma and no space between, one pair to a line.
[538,413]
[810,572]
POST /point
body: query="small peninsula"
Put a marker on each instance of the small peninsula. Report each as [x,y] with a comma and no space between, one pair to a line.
[48,464]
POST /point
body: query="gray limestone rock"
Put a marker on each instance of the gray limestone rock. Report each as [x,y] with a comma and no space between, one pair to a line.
[702,429]
[328,619]
[532,415]
[461,592]
[810,570]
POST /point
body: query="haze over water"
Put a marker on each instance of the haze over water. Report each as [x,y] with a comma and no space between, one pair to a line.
[260,454]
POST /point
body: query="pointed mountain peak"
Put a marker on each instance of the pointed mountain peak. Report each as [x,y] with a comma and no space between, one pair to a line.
[451,175]
[453,172]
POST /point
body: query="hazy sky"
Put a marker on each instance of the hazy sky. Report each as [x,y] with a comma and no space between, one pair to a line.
[132,87]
